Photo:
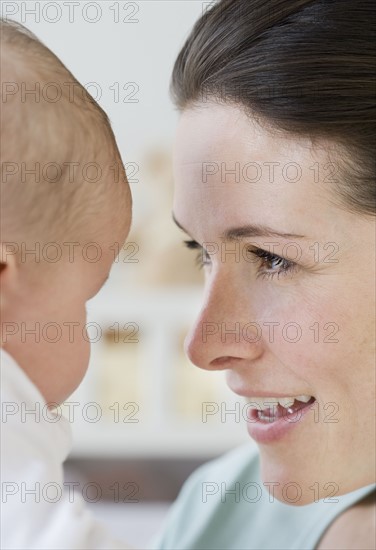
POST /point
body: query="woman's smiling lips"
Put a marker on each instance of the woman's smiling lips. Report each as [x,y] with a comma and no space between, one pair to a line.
[269,418]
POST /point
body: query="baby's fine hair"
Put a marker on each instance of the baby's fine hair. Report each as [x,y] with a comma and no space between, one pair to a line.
[60,164]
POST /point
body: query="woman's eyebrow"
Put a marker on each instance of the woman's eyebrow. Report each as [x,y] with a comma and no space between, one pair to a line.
[256,230]
[251,230]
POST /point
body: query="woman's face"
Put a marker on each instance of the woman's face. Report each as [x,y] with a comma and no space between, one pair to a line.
[288,309]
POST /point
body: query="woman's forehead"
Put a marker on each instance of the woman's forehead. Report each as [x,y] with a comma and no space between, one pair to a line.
[229,171]
[222,132]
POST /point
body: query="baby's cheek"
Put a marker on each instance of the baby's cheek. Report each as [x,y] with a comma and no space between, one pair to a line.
[76,365]
[77,343]
[84,360]
[83,344]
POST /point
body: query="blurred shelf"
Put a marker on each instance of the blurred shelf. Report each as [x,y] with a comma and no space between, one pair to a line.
[111,443]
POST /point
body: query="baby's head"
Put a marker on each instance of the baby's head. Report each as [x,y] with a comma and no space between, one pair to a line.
[65,210]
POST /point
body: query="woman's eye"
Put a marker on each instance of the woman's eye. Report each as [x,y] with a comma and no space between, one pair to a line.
[271,264]
[202,258]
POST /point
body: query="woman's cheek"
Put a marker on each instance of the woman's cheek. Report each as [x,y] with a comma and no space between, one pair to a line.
[305,339]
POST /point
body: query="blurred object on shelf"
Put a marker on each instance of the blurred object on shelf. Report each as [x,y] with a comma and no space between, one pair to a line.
[119,377]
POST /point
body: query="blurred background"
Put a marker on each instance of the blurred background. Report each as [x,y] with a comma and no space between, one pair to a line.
[144,418]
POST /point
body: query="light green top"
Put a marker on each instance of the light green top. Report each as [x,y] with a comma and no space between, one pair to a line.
[205,516]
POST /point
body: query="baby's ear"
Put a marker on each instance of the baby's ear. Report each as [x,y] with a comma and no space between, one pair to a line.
[8,263]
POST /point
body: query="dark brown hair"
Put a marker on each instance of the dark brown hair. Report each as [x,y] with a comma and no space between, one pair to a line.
[304,66]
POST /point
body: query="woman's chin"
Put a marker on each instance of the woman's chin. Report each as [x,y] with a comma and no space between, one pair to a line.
[295,483]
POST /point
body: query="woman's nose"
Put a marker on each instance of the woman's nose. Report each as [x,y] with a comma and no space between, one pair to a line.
[225,331]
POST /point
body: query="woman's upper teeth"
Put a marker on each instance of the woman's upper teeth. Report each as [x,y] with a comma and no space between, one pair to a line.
[262,403]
